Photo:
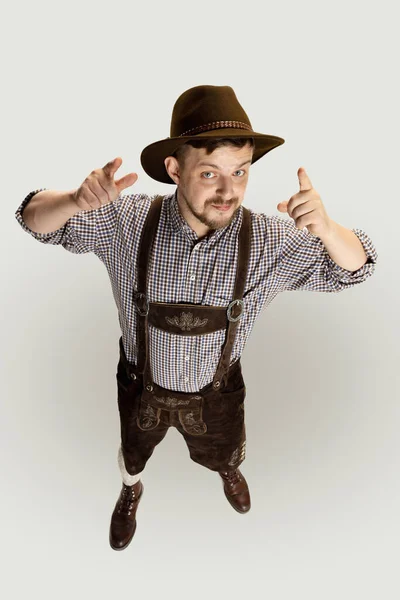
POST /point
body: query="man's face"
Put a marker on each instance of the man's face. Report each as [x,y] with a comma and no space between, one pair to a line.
[209,181]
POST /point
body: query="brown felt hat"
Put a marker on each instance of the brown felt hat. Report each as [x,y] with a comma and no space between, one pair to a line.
[204,112]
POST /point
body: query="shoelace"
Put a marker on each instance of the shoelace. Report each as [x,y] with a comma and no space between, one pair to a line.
[232,477]
[126,502]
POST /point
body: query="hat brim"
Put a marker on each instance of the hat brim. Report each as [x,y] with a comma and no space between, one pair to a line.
[153,156]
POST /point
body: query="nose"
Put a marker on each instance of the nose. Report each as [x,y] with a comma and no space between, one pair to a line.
[225,189]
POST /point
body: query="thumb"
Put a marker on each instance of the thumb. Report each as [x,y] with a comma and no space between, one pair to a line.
[282,206]
[126,181]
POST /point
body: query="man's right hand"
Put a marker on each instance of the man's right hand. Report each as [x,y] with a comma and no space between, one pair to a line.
[100,187]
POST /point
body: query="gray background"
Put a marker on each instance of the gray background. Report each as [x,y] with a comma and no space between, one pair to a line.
[86,82]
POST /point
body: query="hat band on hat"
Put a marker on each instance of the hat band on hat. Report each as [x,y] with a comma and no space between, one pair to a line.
[217,125]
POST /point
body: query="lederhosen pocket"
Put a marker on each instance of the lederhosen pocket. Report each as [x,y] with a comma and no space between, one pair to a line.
[192,420]
[148,416]
[128,390]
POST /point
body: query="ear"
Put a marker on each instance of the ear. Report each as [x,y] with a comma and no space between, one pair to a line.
[172,167]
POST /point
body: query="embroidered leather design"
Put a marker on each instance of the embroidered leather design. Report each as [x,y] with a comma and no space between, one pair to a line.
[171,402]
[148,417]
[192,422]
[186,321]
[238,455]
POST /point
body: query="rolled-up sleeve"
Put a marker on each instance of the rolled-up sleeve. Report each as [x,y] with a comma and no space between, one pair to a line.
[86,231]
[305,264]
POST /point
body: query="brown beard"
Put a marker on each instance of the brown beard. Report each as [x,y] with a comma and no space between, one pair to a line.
[212,223]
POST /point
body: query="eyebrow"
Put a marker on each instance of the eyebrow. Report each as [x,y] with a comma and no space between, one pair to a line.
[205,164]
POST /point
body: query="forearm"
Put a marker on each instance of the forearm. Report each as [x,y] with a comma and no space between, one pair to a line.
[344,247]
[49,210]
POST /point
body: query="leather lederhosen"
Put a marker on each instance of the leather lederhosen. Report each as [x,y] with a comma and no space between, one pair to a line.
[146,406]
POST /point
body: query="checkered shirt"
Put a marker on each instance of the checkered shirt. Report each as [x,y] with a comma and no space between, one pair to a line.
[184,268]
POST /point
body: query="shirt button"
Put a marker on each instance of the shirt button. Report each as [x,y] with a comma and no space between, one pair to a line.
[187,357]
[186,379]
[192,277]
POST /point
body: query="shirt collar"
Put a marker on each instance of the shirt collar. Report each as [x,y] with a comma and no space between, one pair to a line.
[180,225]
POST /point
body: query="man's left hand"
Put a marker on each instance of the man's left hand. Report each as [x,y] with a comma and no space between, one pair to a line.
[306,208]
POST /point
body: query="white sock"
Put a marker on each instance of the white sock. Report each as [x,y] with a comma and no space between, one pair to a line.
[126,477]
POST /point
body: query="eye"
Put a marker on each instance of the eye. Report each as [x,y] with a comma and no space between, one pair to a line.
[207,173]
[240,170]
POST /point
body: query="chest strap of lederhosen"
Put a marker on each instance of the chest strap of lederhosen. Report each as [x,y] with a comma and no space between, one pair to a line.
[241,274]
[233,312]
[140,298]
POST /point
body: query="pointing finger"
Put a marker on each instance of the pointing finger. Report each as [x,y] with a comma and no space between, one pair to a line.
[304,180]
[112,166]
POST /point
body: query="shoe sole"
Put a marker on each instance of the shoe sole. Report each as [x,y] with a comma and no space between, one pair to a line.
[134,531]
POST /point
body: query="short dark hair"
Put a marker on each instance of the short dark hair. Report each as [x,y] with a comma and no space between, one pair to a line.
[210,145]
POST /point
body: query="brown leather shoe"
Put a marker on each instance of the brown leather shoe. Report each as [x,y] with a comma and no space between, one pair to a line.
[236,490]
[123,520]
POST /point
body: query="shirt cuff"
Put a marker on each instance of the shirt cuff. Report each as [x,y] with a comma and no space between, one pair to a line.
[366,269]
[20,218]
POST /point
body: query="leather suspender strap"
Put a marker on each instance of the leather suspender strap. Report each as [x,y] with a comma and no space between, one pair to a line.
[241,273]
[141,300]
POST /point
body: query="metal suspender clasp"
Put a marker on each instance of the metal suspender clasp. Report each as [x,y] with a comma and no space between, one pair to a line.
[143,310]
[229,310]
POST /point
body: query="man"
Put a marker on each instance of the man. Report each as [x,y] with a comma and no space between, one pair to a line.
[190,273]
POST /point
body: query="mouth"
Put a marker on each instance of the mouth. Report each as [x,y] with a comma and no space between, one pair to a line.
[222,207]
